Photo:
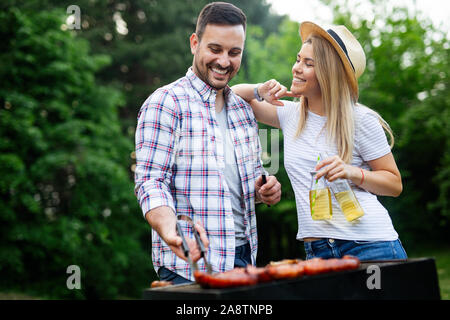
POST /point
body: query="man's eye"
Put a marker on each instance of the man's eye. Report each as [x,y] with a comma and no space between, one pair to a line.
[214,50]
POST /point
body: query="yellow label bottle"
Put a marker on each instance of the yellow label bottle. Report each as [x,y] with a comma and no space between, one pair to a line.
[319,199]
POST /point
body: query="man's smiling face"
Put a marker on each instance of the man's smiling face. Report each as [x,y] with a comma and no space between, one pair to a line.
[218,55]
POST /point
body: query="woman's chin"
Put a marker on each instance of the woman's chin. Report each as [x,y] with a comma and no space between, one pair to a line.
[295,90]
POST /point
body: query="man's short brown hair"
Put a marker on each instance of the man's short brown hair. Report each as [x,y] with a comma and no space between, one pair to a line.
[220,13]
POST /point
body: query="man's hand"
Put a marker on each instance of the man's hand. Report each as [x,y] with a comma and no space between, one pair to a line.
[270,192]
[175,243]
[163,220]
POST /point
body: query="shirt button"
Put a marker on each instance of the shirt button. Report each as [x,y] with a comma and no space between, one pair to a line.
[331,240]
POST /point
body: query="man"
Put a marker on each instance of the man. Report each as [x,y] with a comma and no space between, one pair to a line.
[198,154]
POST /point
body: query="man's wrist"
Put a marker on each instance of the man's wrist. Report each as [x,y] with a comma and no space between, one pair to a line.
[256,93]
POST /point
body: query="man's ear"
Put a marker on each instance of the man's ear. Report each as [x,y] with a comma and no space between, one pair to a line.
[194,42]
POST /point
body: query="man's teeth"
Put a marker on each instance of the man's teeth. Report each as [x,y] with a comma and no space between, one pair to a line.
[219,71]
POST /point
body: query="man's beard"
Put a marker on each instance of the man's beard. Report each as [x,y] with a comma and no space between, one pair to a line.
[204,75]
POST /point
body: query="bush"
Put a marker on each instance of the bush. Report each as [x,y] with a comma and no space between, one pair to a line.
[66,193]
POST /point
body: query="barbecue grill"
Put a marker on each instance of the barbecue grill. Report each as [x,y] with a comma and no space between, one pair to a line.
[397,279]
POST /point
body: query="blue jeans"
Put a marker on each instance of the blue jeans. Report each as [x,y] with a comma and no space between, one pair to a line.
[241,259]
[363,250]
[243,256]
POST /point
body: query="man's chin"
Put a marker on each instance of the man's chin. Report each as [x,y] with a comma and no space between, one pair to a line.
[218,84]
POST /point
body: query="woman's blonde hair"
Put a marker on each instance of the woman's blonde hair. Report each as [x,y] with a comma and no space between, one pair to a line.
[338,99]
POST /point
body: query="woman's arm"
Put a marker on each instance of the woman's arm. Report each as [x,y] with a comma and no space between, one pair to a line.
[265,111]
[383,180]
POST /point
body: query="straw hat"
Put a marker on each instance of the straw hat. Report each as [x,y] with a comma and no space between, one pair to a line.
[346,45]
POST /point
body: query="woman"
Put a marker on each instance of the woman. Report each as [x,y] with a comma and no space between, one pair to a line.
[329,120]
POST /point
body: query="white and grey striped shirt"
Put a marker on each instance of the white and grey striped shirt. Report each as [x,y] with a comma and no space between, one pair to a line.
[300,155]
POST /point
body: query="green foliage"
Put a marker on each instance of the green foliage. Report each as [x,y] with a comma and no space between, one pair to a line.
[272,56]
[66,193]
[152,49]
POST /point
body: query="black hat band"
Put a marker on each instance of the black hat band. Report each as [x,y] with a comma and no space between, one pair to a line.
[341,44]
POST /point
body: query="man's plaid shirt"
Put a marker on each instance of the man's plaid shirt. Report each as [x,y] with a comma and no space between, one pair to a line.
[180,163]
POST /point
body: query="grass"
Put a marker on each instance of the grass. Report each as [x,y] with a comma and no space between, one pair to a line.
[17,296]
[442,259]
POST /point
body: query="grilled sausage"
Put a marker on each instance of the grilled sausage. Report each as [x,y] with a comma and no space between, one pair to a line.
[285,269]
[233,278]
[157,284]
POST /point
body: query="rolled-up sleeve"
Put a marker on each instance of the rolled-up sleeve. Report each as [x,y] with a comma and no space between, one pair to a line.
[156,139]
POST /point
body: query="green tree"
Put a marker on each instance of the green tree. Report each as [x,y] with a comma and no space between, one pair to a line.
[148,41]
[65,194]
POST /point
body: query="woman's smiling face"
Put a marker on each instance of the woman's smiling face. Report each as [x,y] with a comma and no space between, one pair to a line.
[304,80]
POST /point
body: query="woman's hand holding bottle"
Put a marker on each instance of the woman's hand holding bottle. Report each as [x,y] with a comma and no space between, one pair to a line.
[334,167]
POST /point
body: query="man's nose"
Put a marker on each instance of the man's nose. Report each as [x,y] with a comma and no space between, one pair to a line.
[224,61]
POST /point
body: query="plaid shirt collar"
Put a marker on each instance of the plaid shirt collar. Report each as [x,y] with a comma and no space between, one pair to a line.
[204,89]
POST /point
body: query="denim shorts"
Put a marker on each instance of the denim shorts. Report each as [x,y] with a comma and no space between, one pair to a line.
[363,250]
[241,259]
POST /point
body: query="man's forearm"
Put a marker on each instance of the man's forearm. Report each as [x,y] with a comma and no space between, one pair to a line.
[162,219]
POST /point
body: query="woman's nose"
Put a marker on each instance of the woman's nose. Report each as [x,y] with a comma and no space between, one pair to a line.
[296,68]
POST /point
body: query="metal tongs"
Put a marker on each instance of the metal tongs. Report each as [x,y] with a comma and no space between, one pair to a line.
[264,181]
[185,246]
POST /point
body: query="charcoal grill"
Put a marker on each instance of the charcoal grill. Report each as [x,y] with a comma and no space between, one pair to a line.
[399,279]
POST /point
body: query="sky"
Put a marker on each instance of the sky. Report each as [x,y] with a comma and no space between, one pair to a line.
[313,10]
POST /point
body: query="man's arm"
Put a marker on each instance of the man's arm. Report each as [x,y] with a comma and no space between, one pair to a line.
[156,141]
[155,144]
